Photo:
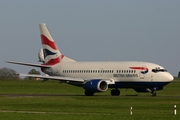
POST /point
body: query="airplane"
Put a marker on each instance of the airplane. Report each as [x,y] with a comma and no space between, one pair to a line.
[97,76]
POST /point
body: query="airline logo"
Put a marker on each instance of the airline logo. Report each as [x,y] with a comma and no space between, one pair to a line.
[143,70]
[47,53]
[48,42]
[52,55]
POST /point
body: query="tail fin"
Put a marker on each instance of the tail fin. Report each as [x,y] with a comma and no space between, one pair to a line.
[52,55]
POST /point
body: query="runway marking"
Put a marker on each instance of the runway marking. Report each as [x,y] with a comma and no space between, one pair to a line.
[38,112]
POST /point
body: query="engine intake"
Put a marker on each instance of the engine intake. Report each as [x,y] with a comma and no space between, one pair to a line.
[96,85]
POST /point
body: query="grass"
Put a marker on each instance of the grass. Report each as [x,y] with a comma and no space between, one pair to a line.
[68,102]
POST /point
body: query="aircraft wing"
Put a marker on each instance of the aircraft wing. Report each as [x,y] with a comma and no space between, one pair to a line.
[55,78]
[28,64]
[66,79]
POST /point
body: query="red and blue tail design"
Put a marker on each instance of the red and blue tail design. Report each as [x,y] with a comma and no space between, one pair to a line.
[52,54]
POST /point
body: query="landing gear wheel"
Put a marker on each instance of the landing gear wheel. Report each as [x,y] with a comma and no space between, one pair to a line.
[115,92]
[153,93]
[89,93]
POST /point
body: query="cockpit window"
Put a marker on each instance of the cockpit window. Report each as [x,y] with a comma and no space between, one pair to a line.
[154,70]
[163,70]
[159,70]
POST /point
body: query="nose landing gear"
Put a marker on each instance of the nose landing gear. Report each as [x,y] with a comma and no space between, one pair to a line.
[153,93]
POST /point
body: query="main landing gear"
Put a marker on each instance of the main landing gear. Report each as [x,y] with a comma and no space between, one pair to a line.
[89,93]
[115,92]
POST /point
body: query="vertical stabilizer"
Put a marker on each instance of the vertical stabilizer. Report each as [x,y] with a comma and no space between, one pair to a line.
[52,55]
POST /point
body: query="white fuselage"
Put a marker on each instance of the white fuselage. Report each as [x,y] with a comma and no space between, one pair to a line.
[117,71]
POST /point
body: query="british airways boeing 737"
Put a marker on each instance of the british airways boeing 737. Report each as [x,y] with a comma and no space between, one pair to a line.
[98,76]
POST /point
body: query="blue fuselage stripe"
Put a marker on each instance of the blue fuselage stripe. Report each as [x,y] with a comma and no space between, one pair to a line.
[138,84]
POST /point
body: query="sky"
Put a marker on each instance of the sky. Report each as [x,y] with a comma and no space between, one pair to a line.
[92,30]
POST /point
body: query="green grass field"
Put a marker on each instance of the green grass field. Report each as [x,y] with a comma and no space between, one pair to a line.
[69,103]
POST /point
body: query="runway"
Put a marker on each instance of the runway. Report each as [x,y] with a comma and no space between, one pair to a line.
[66,95]
[36,95]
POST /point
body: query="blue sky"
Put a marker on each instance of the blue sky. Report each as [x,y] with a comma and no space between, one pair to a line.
[92,30]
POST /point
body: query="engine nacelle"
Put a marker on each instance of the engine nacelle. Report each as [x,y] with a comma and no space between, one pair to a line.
[96,85]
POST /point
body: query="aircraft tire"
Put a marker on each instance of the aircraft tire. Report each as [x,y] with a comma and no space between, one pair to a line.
[89,93]
[153,93]
[115,92]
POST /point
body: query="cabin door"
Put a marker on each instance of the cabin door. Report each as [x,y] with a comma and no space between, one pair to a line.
[141,76]
[142,72]
[101,72]
[58,68]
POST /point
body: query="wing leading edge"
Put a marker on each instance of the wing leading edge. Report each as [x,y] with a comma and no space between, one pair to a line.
[28,64]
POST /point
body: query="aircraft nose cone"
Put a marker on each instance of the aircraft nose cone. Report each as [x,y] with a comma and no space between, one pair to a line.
[169,77]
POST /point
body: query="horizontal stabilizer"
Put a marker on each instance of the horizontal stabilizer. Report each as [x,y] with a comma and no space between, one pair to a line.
[28,64]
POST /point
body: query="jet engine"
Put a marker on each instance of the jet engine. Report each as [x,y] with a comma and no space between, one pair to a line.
[96,85]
